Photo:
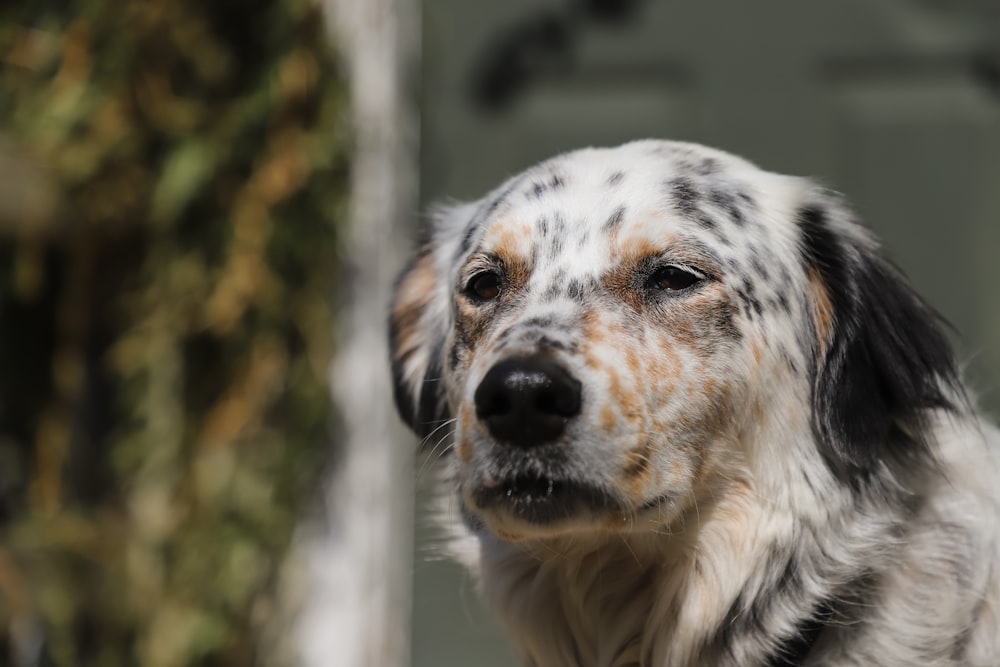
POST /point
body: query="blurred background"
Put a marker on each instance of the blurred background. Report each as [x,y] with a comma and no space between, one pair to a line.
[172,181]
[203,204]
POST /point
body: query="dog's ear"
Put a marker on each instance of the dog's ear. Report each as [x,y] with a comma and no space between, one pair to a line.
[882,358]
[415,346]
[419,321]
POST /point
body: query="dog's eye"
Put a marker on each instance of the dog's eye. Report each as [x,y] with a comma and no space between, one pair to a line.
[671,279]
[484,286]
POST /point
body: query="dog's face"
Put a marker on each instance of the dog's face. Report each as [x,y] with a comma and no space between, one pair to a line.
[593,340]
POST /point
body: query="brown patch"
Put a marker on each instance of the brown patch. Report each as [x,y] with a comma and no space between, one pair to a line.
[704,320]
[517,267]
[508,536]
[632,361]
[465,450]
[473,319]
[628,256]
[608,419]
[471,324]
[628,401]
[465,445]
[822,309]
[638,462]
[411,300]
[506,240]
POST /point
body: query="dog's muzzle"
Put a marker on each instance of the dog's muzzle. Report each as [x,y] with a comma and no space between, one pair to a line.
[526,404]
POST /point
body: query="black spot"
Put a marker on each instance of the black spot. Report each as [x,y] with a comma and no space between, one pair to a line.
[887,361]
[552,292]
[707,167]
[729,205]
[783,303]
[466,244]
[556,182]
[543,227]
[684,196]
[546,342]
[559,225]
[722,237]
[725,325]
[541,321]
[616,178]
[757,263]
[495,204]
[783,276]
[536,191]
[748,300]
[576,291]
[556,245]
[705,221]
[746,198]
[615,221]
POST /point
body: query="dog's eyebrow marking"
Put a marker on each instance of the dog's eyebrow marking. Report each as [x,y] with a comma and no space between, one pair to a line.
[689,249]
[476,222]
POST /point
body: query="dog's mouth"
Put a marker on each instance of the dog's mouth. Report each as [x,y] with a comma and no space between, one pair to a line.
[540,499]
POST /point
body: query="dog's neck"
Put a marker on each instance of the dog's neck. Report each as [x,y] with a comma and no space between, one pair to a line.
[687,594]
[630,599]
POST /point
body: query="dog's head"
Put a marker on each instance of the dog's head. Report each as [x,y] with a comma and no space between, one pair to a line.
[607,333]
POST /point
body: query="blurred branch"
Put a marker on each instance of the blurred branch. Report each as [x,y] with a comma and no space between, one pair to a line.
[358,557]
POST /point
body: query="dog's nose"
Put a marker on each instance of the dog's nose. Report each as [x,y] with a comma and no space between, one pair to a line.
[527,401]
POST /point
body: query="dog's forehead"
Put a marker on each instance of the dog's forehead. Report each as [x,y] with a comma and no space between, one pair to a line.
[586,205]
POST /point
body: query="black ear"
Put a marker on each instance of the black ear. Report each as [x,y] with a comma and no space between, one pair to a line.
[416,341]
[883,361]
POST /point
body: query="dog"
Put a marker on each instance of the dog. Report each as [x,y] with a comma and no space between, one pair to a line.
[692,415]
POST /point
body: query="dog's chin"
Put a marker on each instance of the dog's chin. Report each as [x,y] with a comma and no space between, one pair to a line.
[528,506]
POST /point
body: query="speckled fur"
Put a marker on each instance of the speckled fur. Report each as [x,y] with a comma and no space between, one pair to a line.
[789,467]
